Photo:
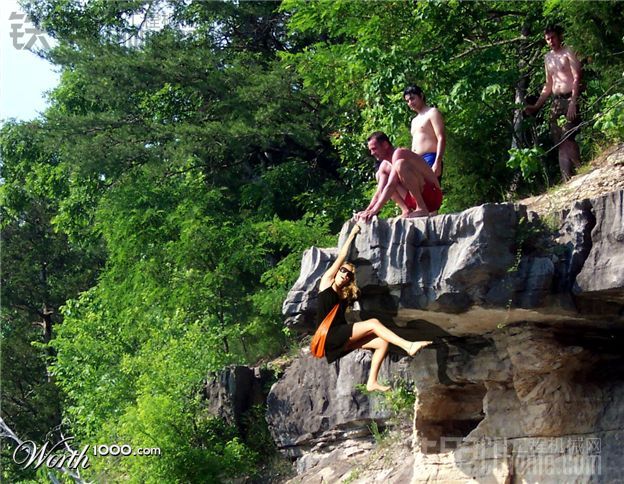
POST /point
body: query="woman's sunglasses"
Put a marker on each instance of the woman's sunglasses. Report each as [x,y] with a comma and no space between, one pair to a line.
[346,271]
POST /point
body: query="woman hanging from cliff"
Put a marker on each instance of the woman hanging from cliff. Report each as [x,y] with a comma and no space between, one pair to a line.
[338,286]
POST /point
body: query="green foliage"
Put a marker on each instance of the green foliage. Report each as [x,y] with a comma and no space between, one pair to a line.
[399,401]
[193,448]
[378,435]
[257,435]
[370,52]
[365,54]
[184,162]
[611,121]
[155,215]
[41,268]
[527,160]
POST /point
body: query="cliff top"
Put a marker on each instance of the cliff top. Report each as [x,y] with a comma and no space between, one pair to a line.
[602,175]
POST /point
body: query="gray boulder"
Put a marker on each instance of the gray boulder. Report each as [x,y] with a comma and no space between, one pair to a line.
[232,392]
[526,317]
[471,272]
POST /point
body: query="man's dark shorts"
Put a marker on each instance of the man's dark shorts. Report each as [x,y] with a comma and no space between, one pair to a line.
[559,109]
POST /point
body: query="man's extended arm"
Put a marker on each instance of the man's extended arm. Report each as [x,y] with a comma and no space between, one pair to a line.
[546,91]
[382,181]
[437,122]
[575,67]
[384,194]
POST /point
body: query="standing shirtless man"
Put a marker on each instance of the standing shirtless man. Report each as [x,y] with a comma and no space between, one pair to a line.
[563,77]
[407,171]
[428,137]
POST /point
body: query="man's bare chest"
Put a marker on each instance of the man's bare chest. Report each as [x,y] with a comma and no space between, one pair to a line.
[558,64]
[421,124]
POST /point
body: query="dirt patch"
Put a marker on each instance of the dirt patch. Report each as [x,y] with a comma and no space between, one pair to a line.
[606,175]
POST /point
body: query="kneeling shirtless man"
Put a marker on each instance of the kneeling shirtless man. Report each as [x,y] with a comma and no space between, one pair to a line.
[406,178]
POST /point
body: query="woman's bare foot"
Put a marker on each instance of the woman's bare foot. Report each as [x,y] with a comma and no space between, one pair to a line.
[417,346]
[376,387]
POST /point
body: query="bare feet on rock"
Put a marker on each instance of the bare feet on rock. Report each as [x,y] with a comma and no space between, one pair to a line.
[417,346]
[417,213]
[376,387]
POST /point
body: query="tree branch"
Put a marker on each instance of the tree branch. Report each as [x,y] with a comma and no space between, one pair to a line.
[487,46]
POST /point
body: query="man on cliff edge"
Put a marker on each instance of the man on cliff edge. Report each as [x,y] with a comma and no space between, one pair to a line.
[409,180]
[563,77]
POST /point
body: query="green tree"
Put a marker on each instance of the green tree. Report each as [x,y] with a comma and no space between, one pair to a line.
[190,157]
[40,270]
[475,61]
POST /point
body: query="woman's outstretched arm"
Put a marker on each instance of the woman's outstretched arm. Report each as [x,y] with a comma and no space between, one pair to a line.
[328,278]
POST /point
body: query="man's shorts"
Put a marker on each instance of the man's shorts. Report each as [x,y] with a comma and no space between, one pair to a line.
[432,196]
[410,201]
[430,160]
[568,129]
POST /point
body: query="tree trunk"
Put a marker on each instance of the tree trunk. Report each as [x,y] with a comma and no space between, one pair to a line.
[519,135]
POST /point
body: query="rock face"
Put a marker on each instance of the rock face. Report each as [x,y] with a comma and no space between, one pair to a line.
[488,266]
[231,393]
[602,275]
[316,407]
[524,380]
[551,409]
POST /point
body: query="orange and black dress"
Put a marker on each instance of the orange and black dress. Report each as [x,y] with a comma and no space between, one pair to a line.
[339,331]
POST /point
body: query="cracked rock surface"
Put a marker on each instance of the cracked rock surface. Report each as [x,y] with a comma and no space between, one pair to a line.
[524,380]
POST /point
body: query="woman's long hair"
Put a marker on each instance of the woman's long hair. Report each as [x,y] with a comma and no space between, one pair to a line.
[351,291]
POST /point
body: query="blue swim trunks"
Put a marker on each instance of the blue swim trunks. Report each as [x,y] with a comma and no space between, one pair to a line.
[429,158]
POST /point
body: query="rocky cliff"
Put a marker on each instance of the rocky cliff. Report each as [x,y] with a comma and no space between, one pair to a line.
[524,379]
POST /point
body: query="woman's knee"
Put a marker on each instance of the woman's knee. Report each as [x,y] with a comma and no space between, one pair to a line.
[371,325]
[376,325]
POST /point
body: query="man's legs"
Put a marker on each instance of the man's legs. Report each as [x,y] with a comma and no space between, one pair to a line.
[569,158]
[398,196]
[382,196]
[414,182]
[563,133]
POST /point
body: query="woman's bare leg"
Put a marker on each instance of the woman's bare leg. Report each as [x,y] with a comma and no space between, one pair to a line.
[373,326]
[380,350]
